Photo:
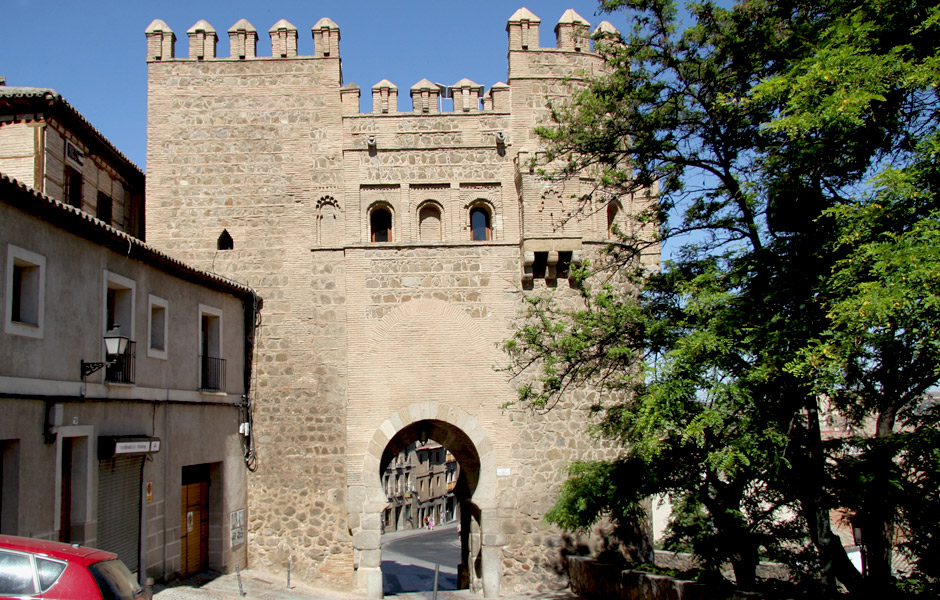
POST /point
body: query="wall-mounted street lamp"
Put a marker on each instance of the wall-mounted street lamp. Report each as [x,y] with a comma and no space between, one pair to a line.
[116,345]
[423,433]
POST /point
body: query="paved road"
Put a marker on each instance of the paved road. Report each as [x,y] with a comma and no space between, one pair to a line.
[409,559]
[440,546]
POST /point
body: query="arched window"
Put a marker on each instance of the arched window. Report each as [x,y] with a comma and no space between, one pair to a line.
[429,223]
[225,241]
[328,224]
[612,211]
[380,222]
[480,224]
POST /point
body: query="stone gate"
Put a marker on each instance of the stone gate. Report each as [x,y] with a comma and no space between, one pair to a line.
[394,252]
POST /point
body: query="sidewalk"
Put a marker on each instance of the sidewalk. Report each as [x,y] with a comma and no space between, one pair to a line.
[258,585]
[399,573]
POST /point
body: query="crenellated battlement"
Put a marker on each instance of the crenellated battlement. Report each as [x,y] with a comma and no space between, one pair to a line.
[573,53]
[571,35]
[243,41]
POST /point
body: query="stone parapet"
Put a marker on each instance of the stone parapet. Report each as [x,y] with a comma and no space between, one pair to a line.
[592,580]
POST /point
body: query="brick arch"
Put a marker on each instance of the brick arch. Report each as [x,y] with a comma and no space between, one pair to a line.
[448,424]
[422,308]
[469,443]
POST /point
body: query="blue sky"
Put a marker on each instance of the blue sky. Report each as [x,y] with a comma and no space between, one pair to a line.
[93,52]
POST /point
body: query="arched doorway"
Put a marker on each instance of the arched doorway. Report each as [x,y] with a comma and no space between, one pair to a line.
[464,437]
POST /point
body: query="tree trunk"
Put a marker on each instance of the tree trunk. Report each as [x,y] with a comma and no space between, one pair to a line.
[745,567]
[835,562]
[877,522]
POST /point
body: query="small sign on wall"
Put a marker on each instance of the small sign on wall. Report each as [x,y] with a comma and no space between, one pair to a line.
[76,156]
[237,527]
[503,472]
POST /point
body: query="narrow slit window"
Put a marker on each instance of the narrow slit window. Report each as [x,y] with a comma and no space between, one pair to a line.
[158,327]
[563,269]
[73,187]
[540,265]
[225,241]
[612,212]
[105,208]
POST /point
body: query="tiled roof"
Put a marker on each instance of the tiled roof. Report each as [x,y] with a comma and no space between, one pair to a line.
[33,96]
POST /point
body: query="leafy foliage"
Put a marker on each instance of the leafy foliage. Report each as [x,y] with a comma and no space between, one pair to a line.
[775,370]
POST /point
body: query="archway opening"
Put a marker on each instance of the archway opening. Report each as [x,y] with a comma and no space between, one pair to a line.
[429,472]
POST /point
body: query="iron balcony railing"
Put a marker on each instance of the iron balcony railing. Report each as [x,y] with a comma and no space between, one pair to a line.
[123,368]
[211,373]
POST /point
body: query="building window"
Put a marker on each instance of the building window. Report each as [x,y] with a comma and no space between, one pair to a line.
[26,284]
[73,187]
[480,224]
[429,223]
[211,363]
[563,269]
[119,304]
[119,318]
[9,486]
[225,241]
[540,265]
[612,211]
[105,208]
[380,222]
[158,327]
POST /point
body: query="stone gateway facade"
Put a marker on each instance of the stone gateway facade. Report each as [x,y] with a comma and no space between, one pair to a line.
[394,251]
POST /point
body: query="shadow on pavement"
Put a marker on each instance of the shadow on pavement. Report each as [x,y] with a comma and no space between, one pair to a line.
[195,581]
[401,578]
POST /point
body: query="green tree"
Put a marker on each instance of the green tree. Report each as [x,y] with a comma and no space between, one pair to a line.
[797,143]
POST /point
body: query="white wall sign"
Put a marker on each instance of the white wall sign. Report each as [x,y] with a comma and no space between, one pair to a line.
[132,447]
[237,527]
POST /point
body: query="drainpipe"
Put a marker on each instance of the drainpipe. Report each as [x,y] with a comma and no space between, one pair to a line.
[246,427]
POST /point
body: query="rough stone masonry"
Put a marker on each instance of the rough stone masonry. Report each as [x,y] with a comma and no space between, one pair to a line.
[394,251]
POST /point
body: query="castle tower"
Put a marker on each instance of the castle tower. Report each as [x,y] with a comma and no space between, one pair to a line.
[425,96]
[394,252]
[202,40]
[283,39]
[384,97]
[243,40]
[160,41]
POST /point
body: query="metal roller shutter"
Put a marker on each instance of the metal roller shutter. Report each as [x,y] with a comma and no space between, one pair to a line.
[119,488]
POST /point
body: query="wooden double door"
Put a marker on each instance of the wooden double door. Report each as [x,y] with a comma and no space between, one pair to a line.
[194,540]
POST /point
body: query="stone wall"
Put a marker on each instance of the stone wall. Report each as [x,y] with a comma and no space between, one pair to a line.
[365,344]
[592,580]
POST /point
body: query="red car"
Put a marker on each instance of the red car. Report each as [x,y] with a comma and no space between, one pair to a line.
[39,569]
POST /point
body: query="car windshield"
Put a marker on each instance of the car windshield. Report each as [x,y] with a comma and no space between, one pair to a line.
[114,580]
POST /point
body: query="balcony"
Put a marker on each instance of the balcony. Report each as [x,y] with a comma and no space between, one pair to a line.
[211,374]
[122,369]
